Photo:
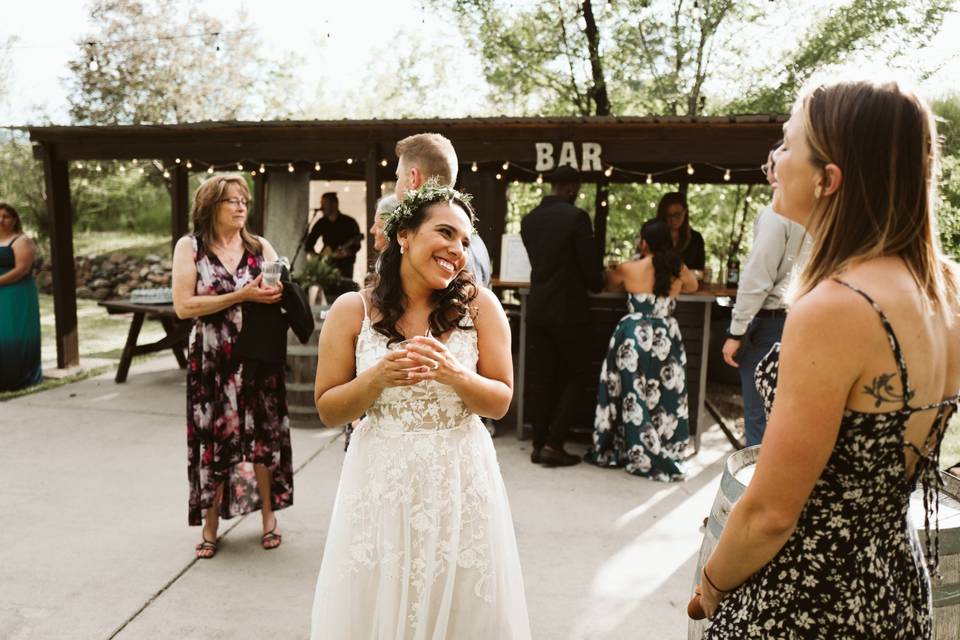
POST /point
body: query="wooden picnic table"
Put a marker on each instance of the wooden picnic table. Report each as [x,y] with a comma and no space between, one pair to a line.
[178,332]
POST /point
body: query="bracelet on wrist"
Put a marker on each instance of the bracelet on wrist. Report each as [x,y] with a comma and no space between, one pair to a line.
[732,336]
[711,583]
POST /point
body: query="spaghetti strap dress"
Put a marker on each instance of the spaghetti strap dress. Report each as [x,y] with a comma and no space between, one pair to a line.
[854,566]
[235,418]
[19,327]
[642,422]
[421,544]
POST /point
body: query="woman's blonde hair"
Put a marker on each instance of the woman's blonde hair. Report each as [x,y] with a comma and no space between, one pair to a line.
[205,202]
[884,139]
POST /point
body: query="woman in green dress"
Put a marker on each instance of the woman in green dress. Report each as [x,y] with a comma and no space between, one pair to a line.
[19,306]
[642,420]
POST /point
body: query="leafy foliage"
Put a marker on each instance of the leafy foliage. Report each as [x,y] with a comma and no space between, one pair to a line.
[318,271]
[166,62]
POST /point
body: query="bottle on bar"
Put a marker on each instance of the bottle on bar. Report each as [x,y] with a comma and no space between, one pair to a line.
[733,268]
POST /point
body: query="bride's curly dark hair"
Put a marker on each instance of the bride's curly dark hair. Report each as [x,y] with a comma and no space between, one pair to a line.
[450,305]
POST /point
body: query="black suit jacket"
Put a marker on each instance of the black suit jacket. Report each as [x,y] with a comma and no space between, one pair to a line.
[564,262]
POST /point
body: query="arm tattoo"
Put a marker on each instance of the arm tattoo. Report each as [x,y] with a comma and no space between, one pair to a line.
[882,391]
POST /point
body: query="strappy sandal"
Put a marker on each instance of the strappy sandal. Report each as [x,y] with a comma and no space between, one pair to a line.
[270,536]
[205,546]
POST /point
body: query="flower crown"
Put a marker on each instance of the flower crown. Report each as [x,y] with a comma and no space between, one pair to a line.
[429,192]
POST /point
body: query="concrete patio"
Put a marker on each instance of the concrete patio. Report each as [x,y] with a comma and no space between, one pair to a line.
[96,543]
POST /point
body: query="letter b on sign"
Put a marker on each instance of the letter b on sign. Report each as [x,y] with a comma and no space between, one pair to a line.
[544,156]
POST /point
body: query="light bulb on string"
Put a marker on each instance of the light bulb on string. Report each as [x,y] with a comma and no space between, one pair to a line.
[79,165]
[253,173]
[263,169]
[316,166]
[516,183]
[628,206]
[93,65]
[582,196]
[99,168]
[210,169]
[499,176]
[603,203]
[142,171]
[505,165]
[689,169]
[289,167]
[609,171]
[135,161]
[384,162]
[473,167]
[539,178]
[239,166]
[649,178]
[177,160]
[349,160]
[652,205]
[166,173]
[122,169]
[726,175]
[189,164]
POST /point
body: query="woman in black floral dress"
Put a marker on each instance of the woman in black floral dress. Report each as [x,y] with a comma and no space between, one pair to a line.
[238,433]
[866,377]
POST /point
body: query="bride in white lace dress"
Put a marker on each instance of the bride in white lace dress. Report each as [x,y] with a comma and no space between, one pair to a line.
[421,542]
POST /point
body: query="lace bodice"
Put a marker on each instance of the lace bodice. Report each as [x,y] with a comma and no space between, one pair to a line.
[425,406]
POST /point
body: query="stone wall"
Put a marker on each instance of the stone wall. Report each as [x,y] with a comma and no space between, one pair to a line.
[111,276]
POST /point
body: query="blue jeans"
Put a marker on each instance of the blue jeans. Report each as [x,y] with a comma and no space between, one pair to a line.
[763,333]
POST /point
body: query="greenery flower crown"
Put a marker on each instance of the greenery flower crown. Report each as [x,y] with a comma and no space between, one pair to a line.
[429,192]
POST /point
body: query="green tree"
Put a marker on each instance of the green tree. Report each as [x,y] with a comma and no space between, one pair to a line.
[21,181]
[168,62]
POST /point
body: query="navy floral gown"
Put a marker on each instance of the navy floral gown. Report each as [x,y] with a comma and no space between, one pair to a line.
[641,420]
[235,418]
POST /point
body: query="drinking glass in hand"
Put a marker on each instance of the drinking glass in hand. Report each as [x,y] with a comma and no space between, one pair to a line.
[271,273]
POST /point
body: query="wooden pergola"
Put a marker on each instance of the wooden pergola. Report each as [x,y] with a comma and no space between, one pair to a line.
[493,152]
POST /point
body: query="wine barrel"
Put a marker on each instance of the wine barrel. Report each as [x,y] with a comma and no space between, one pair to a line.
[302,370]
[737,473]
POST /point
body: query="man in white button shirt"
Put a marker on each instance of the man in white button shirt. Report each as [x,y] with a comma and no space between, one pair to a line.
[779,245]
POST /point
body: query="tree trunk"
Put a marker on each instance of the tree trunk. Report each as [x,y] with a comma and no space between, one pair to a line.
[599,89]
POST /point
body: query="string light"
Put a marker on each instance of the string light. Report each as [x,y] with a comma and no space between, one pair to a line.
[93,66]
[253,173]
[209,169]
[628,207]
[582,196]
[316,166]
[499,176]
[189,164]
[135,161]
[609,171]
[473,167]
[505,165]
[79,165]
[166,174]
[142,171]
[349,160]
[290,167]
[122,169]
[652,205]
[263,169]
[689,169]
[239,166]
[539,178]
[649,178]
[726,175]
[384,162]
[177,160]
[99,168]
[603,203]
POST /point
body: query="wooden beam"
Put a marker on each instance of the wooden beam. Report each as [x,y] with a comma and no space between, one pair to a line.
[179,203]
[60,221]
[372,174]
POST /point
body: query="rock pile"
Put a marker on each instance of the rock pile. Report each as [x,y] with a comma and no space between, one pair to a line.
[111,276]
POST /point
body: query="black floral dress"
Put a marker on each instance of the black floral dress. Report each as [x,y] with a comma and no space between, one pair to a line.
[853,567]
[235,418]
[642,419]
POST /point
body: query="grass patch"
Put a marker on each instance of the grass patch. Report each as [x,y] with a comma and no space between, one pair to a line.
[950,448]
[51,383]
[101,335]
[137,245]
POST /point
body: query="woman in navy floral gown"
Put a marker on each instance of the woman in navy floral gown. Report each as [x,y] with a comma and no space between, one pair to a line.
[641,420]
[866,376]
[238,432]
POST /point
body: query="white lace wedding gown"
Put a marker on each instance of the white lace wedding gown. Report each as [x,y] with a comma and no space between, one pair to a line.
[421,543]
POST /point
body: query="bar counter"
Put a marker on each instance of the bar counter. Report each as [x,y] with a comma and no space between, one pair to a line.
[693,312]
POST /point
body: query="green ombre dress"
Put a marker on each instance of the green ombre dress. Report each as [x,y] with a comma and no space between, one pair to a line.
[19,327]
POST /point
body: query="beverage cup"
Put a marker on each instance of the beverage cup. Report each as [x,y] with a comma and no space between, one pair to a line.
[271,273]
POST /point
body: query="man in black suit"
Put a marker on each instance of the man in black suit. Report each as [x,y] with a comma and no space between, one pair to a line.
[565,264]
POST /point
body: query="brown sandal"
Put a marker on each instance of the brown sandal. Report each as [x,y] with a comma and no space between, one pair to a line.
[270,536]
[205,546]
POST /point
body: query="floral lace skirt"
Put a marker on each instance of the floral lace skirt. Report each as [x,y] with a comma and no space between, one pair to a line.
[421,542]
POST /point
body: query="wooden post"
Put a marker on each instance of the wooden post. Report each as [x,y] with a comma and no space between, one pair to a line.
[179,203]
[602,211]
[60,221]
[490,203]
[256,222]
[372,174]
